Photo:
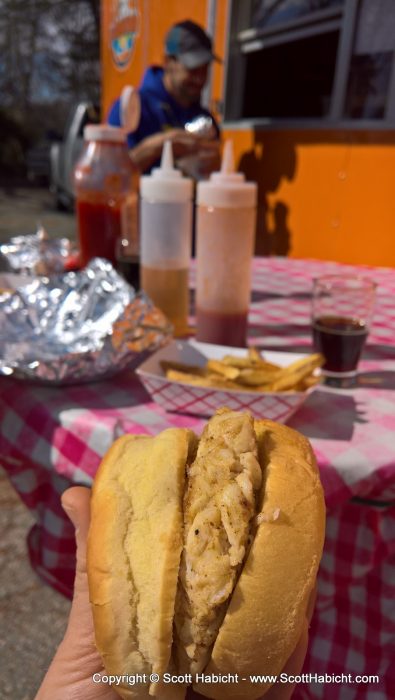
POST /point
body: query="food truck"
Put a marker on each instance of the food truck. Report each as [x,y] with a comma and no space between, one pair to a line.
[306,91]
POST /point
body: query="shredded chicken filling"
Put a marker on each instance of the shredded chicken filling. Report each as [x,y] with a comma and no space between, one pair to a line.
[219,506]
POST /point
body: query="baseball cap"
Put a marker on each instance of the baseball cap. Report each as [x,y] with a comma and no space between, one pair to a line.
[190,44]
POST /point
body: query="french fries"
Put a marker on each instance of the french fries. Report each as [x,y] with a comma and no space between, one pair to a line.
[250,373]
[219,367]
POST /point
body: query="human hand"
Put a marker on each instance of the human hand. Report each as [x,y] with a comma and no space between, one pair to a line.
[206,160]
[183,143]
[69,676]
[150,149]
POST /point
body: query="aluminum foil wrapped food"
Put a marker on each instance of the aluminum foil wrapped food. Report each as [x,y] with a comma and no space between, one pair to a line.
[77,327]
[36,253]
[202,125]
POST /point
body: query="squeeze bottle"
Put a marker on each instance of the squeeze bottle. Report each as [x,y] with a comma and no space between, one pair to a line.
[226,216]
[105,183]
[165,237]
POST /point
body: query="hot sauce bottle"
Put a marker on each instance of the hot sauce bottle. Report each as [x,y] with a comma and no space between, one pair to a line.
[106,191]
[226,214]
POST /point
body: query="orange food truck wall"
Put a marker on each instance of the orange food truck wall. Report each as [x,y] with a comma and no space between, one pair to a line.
[322,194]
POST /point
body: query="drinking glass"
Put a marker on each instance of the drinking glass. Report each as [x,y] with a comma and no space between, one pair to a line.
[342,311]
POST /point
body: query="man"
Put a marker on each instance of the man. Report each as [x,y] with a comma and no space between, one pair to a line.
[169,99]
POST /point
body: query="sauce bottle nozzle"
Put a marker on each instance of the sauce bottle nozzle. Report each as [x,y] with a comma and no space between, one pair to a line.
[167,162]
[228,161]
[166,170]
[227,187]
[166,183]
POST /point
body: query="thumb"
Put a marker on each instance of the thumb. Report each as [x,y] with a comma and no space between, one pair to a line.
[76,503]
[76,659]
[78,642]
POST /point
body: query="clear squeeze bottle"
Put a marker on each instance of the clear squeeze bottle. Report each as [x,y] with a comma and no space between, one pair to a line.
[166,234]
[226,218]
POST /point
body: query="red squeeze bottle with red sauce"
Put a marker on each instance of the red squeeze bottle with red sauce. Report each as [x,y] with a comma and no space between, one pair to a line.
[106,190]
[226,217]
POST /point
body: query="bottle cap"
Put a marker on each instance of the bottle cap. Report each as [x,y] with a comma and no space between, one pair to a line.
[166,184]
[104,132]
[227,188]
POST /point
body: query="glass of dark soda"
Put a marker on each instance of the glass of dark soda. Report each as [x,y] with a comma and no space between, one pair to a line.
[342,311]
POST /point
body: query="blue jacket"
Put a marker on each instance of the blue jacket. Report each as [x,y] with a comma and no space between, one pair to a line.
[159,110]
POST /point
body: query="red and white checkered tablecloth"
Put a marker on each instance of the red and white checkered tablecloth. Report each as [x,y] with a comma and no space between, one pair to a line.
[53,437]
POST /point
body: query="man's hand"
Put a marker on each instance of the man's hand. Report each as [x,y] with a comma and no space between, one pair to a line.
[182,142]
[150,149]
[184,145]
[205,161]
[70,675]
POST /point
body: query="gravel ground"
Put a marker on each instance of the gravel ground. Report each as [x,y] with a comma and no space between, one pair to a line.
[22,209]
[32,616]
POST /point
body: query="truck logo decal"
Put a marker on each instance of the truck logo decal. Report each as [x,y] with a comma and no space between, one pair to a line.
[124,30]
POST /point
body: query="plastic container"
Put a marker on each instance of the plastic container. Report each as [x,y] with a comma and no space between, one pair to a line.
[226,217]
[166,236]
[106,191]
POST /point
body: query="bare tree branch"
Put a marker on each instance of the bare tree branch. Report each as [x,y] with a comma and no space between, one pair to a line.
[49,49]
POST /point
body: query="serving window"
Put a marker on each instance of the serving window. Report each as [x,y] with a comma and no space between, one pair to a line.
[311,60]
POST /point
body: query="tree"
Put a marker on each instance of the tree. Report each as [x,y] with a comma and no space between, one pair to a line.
[49,50]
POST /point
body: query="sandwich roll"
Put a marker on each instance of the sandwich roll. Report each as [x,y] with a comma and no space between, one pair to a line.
[268,606]
[133,553]
[202,555]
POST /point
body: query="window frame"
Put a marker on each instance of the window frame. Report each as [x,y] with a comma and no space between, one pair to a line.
[242,40]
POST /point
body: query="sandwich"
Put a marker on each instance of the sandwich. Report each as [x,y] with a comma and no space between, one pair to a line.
[202,554]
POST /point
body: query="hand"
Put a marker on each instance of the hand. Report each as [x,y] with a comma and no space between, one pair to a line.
[69,676]
[149,149]
[184,145]
[205,161]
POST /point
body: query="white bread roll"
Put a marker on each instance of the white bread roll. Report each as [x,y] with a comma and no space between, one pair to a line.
[265,616]
[133,552]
